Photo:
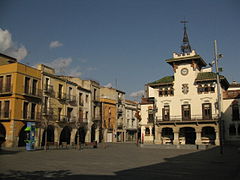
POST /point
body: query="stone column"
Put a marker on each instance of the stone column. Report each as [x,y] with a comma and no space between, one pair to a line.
[158,135]
[217,140]
[72,138]
[97,134]
[57,132]
[198,140]
[176,136]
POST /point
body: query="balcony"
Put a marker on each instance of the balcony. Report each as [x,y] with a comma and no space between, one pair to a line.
[28,116]
[193,118]
[96,118]
[47,111]
[5,115]
[6,90]
[48,89]
[72,100]
[62,97]
[33,93]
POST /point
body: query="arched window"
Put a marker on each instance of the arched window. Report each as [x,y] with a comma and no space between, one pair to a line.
[232,130]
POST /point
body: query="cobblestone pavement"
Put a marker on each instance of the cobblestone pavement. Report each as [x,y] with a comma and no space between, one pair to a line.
[120,161]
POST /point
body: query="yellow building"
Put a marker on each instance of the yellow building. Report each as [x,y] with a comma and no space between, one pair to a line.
[109,119]
[20,100]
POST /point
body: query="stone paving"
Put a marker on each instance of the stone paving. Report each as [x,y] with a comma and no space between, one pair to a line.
[121,161]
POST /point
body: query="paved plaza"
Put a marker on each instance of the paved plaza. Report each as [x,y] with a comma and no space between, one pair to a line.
[120,161]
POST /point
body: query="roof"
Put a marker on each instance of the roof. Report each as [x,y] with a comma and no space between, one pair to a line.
[207,76]
[211,76]
[163,81]
[187,58]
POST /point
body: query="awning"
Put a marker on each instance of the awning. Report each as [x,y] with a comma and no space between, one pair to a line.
[27,129]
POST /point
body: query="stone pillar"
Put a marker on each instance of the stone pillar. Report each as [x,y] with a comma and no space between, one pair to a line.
[73,134]
[88,135]
[57,132]
[97,134]
[176,136]
[142,134]
[217,140]
[198,140]
[158,135]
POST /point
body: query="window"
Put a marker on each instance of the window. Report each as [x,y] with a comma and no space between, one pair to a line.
[59,114]
[60,87]
[94,111]
[34,87]
[1,84]
[150,117]
[232,130]
[235,112]
[160,92]
[33,111]
[8,83]
[6,109]
[46,83]
[206,89]
[0,109]
[166,113]
[27,85]
[70,91]
[25,110]
[200,89]
[86,98]
[80,115]
[186,112]
[86,115]
[94,94]
[80,99]
[45,104]
[207,111]
[69,113]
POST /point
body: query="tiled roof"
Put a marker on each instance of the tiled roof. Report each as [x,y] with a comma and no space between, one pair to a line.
[164,80]
[205,76]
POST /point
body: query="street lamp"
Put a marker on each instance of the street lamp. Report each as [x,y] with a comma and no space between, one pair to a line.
[216,58]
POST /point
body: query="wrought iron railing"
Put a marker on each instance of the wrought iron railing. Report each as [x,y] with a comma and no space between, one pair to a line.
[190,118]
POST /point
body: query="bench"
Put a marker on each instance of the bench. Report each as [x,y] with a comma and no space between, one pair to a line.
[91,144]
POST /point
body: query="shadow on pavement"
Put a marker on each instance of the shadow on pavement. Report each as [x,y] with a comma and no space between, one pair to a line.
[208,164]
[4,151]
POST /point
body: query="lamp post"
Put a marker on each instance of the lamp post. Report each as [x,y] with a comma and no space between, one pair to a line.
[216,58]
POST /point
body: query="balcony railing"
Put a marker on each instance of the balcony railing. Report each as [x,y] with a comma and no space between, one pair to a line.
[192,118]
[72,99]
[5,115]
[47,111]
[28,116]
[96,118]
[48,89]
[6,90]
[62,96]
[36,93]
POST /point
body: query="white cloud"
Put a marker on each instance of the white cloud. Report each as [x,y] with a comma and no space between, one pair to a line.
[55,44]
[137,94]
[109,85]
[10,48]
[75,72]
[63,66]
[60,65]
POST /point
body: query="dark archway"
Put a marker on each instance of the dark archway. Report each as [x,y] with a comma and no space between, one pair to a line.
[22,137]
[209,132]
[93,129]
[65,135]
[168,133]
[82,133]
[2,134]
[50,135]
[189,134]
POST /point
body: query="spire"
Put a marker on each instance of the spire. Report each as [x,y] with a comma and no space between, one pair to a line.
[185,47]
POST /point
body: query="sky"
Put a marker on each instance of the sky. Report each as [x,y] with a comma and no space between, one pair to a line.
[119,43]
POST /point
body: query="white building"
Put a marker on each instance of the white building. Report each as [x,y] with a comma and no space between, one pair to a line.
[231,104]
[181,109]
[131,108]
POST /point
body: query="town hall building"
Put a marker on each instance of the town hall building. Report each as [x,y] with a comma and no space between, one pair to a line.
[182,108]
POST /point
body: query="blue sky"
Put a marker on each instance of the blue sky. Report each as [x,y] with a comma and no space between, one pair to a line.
[127,40]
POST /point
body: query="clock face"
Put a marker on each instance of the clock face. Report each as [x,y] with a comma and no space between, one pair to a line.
[184,71]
